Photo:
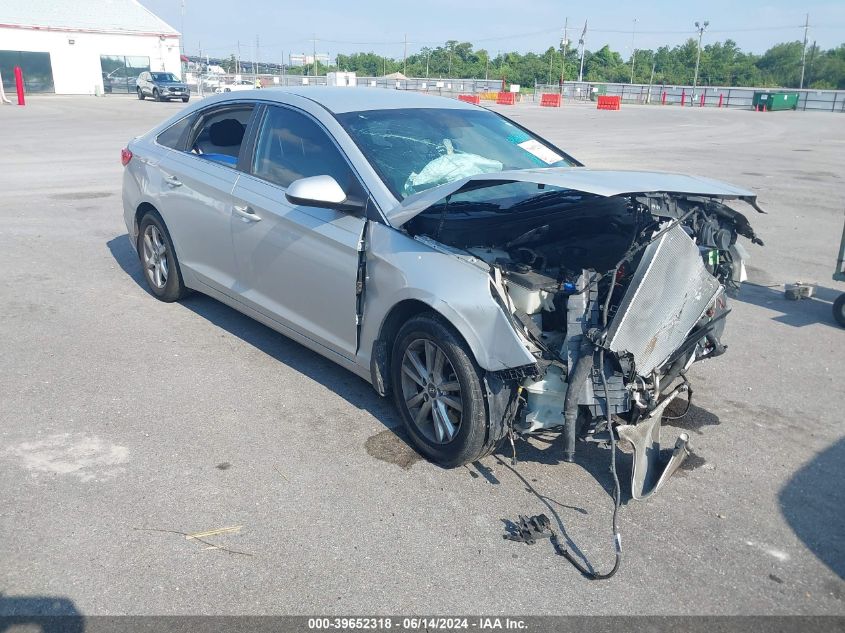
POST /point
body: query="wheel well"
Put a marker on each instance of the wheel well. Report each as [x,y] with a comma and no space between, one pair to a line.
[399,314]
[140,212]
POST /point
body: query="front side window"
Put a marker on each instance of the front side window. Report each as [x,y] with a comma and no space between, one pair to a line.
[220,133]
[291,146]
[415,149]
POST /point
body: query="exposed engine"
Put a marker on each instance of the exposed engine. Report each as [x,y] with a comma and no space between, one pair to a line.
[644,279]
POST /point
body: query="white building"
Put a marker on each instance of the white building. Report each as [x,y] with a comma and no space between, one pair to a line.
[83,46]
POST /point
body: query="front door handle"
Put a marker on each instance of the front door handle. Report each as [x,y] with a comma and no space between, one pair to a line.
[173,181]
[246,212]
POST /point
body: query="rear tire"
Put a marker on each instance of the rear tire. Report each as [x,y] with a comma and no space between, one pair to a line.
[140,94]
[839,310]
[158,259]
[439,392]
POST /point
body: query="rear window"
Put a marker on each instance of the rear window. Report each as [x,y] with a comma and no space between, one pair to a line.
[174,136]
[220,133]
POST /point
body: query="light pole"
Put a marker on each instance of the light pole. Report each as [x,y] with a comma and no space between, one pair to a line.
[633,50]
[701,28]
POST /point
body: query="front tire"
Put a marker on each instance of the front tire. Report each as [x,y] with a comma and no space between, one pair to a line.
[185,99]
[140,94]
[437,387]
[839,310]
[156,95]
[158,259]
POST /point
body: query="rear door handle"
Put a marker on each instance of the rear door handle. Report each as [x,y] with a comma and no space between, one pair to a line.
[246,212]
[173,181]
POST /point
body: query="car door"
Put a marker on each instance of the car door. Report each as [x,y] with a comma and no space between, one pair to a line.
[298,264]
[196,193]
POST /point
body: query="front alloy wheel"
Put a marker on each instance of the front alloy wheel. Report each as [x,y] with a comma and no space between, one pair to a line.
[431,391]
[438,389]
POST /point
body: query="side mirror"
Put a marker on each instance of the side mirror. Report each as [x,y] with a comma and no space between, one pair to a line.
[319,191]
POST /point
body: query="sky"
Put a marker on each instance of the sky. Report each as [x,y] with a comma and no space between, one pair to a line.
[380,26]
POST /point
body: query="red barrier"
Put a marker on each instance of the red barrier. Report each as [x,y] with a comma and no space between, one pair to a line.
[702,101]
[663,99]
[721,96]
[19,85]
[470,99]
[506,98]
[683,97]
[607,102]
[550,100]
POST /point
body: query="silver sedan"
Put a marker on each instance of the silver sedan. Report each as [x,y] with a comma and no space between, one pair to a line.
[445,254]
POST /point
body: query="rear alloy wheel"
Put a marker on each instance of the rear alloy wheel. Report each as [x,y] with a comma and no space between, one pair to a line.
[161,268]
[437,388]
[140,94]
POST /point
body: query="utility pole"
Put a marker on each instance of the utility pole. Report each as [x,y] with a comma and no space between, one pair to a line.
[701,28]
[182,34]
[581,42]
[486,66]
[427,59]
[563,52]
[450,62]
[238,62]
[804,49]
[405,57]
[813,50]
[634,50]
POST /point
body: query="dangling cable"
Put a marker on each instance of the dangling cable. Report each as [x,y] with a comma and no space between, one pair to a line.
[617,496]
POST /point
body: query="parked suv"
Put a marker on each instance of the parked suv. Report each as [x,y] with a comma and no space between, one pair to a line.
[162,87]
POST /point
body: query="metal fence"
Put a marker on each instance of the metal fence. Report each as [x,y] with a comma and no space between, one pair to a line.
[702,96]
[207,84]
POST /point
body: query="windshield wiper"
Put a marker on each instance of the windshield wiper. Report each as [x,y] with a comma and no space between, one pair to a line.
[543,199]
[524,238]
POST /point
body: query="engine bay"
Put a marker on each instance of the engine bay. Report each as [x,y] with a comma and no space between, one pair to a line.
[642,278]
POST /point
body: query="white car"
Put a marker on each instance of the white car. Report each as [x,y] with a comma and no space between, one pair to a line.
[243,84]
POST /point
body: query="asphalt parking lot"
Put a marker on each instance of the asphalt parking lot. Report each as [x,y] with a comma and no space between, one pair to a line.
[126,423]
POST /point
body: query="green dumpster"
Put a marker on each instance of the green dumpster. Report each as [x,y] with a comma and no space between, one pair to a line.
[595,91]
[775,100]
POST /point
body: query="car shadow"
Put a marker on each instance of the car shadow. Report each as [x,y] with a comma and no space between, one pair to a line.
[48,614]
[817,309]
[358,392]
[812,503]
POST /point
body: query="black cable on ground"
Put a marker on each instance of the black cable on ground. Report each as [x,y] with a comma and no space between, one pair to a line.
[617,497]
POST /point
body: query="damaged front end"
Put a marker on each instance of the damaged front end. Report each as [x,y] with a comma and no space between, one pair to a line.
[615,291]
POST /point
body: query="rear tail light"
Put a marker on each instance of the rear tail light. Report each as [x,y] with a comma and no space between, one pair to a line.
[125,156]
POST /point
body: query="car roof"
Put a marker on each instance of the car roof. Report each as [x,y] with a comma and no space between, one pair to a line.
[343,99]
